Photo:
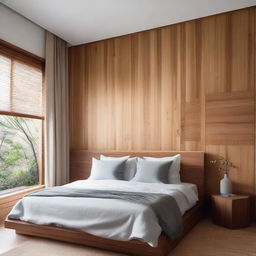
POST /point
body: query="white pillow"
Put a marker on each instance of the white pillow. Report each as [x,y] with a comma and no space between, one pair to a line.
[129,167]
[107,170]
[174,171]
[151,171]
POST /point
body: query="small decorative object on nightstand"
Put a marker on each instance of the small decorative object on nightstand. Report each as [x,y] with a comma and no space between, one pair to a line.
[225,166]
[231,212]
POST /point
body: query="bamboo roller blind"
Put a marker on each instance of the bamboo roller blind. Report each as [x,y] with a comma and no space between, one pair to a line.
[21,87]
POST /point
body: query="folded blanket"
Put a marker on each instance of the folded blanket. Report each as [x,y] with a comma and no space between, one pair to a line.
[164,206]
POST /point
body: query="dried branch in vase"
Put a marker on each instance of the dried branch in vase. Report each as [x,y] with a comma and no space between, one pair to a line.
[223,164]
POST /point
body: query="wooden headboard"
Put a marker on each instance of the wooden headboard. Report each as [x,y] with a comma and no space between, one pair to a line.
[192,164]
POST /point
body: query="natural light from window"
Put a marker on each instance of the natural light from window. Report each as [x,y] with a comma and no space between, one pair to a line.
[21,121]
[19,152]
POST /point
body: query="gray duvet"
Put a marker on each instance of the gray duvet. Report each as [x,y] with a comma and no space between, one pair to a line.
[164,206]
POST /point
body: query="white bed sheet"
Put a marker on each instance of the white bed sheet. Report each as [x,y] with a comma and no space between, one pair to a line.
[109,218]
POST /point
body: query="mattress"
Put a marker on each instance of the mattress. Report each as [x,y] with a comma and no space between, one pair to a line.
[108,218]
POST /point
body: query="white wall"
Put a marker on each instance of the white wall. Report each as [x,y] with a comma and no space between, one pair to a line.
[21,32]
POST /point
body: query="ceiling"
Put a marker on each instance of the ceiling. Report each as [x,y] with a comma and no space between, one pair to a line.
[82,21]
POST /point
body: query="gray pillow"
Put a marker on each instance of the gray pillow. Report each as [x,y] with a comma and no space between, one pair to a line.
[174,171]
[107,170]
[129,166]
[152,171]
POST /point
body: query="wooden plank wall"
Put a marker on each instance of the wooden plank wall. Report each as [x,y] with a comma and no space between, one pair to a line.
[188,86]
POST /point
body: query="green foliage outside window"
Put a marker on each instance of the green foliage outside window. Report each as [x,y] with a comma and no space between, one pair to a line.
[19,145]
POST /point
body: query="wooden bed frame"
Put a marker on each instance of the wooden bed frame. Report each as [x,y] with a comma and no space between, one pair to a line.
[192,171]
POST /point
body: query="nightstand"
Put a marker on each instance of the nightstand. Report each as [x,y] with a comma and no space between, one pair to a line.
[231,212]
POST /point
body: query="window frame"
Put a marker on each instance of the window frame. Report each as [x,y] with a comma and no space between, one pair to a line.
[14,52]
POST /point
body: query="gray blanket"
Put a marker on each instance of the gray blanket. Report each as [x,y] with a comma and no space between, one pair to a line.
[164,206]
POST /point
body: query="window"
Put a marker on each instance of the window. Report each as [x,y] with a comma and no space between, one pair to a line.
[21,119]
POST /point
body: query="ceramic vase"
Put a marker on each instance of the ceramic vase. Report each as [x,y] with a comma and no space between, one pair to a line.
[226,186]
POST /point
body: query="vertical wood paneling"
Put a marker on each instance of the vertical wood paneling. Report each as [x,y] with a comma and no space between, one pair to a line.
[229,97]
[123,92]
[240,63]
[252,50]
[170,113]
[77,58]
[189,86]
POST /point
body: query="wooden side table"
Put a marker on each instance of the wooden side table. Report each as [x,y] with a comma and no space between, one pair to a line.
[231,212]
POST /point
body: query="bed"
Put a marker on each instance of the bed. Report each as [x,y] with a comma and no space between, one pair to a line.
[192,171]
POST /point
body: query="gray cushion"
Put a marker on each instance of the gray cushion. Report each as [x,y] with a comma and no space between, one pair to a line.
[107,170]
[152,171]
[129,166]
[174,171]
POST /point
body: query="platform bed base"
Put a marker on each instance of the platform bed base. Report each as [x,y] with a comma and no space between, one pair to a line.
[133,247]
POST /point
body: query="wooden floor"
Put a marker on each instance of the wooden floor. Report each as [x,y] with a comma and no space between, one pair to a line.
[206,239]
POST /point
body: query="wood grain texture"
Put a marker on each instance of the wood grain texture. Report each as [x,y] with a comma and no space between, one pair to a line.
[132,247]
[230,118]
[231,212]
[188,86]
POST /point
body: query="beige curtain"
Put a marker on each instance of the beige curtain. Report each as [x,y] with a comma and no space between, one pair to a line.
[56,125]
